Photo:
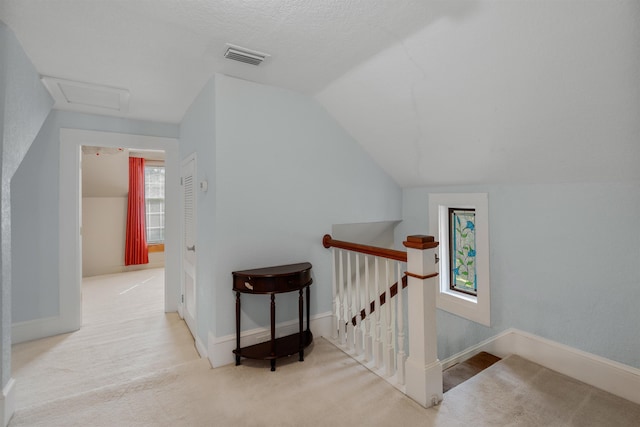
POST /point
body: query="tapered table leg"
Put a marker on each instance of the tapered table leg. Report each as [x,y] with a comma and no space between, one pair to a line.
[237,328]
[300,320]
[273,331]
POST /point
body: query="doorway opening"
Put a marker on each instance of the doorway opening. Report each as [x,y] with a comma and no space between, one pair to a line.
[71,216]
[104,200]
[104,204]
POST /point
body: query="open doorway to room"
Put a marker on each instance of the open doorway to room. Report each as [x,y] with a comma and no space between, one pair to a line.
[105,187]
[71,247]
[110,282]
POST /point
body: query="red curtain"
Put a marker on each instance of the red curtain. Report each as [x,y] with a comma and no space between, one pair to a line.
[136,251]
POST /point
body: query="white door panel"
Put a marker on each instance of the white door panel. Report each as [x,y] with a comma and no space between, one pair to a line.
[189,244]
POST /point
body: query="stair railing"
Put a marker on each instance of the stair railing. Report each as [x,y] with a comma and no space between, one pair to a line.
[375,334]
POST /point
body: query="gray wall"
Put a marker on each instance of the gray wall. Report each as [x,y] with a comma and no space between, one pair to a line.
[563,265]
[281,172]
[24,105]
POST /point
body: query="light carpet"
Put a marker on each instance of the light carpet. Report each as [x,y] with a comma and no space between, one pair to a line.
[172,387]
[125,334]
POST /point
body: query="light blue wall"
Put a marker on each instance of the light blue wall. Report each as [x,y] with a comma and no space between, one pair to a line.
[285,172]
[24,105]
[281,173]
[25,100]
[35,209]
[564,265]
[197,135]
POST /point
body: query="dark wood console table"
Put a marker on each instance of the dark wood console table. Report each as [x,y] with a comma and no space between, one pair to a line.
[272,281]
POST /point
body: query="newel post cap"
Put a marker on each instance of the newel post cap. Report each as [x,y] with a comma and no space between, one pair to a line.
[420,241]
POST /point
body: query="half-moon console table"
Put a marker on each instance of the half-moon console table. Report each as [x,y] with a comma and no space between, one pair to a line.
[272,281]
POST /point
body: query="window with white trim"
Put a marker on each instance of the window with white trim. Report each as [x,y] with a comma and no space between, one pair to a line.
[460,222]
[154,202]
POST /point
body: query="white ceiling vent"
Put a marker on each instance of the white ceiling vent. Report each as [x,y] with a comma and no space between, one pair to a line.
[87,97]
[245,55]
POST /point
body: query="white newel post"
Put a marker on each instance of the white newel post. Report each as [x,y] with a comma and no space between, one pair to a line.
[423,369]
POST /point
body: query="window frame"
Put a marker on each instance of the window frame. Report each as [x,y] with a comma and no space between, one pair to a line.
[475,308]
[452,256]
[155,246]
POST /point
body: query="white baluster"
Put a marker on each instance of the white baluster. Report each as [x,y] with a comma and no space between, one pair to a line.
[357,307]
[368,338]
[401,333]
[389,353]
[349,303]
[336,305]
[341,331]
[377,349]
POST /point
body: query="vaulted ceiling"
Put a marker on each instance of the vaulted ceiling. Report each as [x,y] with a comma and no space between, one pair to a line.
[438,92]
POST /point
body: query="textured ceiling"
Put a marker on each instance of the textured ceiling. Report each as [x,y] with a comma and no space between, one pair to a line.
[163,51]
[438,92]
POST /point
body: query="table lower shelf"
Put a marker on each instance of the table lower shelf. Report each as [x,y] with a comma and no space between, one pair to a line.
[284,346]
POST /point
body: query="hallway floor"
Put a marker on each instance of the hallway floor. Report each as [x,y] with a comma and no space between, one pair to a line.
[125,333]
[133,365]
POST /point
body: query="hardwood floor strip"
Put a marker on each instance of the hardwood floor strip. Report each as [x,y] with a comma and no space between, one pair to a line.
[461,372]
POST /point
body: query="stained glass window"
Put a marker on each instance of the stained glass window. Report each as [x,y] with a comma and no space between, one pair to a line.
[462,250]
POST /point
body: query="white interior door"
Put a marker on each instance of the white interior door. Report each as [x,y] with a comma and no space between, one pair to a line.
[189,243]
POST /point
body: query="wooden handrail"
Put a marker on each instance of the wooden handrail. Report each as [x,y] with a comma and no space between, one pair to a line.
[329,242]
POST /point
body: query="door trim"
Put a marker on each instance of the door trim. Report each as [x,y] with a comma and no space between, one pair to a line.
[70,258]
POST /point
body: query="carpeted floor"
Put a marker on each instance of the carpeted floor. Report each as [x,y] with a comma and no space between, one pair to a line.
[125,334]
[153,377]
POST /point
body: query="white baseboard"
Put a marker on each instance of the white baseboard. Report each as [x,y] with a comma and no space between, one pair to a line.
[121,268]
[613,377]
[39,328]
[499,345]
[221,348]
[200,347]
[8,404]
